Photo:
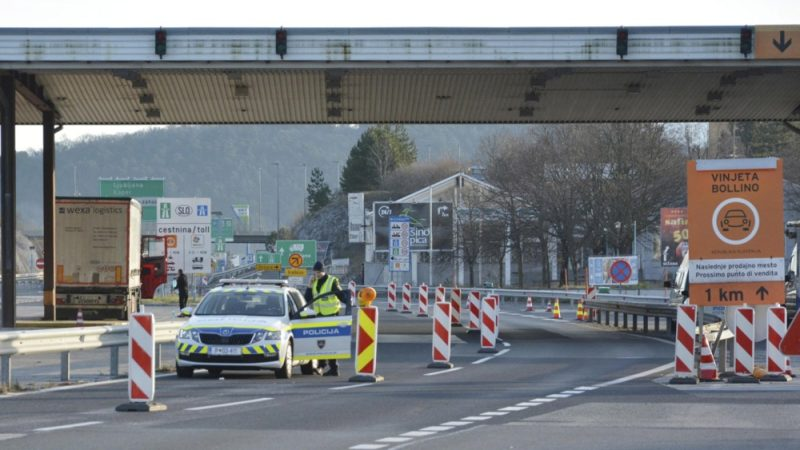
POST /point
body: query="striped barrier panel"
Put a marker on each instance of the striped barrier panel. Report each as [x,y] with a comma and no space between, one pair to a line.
[406,299]
[455,304]
[474,300]
[441,336]
[391,292]
[352,286]
[367,345]
[439,295]
[488,325]
[423,301]
[744,349]
[685,344]
[776,329]
[141,365]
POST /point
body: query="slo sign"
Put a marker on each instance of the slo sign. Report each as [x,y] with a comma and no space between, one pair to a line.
[736,225]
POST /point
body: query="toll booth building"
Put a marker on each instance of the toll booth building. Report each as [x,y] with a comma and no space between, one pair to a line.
[464,245]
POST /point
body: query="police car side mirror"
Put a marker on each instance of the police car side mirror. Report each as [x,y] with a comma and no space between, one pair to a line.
[307,313]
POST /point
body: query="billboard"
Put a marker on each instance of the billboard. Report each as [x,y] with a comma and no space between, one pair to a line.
[187,223]
[419,216]
[674,236]
[613,270]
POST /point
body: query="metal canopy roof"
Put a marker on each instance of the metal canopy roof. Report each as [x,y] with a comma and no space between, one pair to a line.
[227,76]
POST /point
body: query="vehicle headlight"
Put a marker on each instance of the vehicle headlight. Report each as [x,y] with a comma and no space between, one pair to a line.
[262,335]
[189,334]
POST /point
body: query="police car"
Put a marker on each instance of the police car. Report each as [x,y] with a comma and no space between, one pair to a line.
[258,324]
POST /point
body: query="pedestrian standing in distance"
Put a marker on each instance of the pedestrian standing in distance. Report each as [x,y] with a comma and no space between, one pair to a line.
[325,305]
[183,289]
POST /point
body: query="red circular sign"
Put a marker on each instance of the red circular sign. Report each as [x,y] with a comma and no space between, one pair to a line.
[620,271]
[40,263]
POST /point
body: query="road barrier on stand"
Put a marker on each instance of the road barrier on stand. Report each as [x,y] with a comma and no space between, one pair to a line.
[406,299]
[474,300]
[455,304]
[776,360]
[708,367]
[367,345]
[549,307]
[744,347]
[439,296]
[529,305]
[352,286]
[391,295]
[488,325]
[423,301]
[684,345]
[441,336]
[579,313]
[141,365]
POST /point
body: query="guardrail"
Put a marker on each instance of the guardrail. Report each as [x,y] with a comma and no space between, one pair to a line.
[66,340]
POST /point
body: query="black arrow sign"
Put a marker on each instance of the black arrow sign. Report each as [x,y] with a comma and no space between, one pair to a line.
[762,291]
[783,44]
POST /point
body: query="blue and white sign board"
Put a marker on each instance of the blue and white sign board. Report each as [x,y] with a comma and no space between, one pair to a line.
[189,221]
[399,244]
[614,270]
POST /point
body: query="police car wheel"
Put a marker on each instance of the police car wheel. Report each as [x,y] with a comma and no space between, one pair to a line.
[286,370]
[214,372]
[310,368]
[185,372]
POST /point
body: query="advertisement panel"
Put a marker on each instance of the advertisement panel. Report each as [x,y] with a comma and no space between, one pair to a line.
[613,270]
[188,222]
[674,236]
[420,230]
[355,217]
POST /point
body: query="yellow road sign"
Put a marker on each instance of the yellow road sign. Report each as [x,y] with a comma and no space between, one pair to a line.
[295,260]
[293,272]
[268,267]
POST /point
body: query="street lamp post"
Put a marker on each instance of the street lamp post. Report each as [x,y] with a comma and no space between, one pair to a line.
[259,201]
[277,197]
[305,189]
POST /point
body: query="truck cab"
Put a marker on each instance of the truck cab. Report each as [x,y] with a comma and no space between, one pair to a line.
[154,264]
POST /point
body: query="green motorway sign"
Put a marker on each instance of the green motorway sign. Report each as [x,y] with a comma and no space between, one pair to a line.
[131,187]
[222,228]
[297,253]
[267,258]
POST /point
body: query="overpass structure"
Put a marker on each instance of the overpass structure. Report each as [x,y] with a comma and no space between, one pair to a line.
[63,76]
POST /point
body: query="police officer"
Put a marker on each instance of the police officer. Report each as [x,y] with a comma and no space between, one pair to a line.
[325,305]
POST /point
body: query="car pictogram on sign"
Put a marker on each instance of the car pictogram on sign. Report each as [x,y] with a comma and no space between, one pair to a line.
[735,218]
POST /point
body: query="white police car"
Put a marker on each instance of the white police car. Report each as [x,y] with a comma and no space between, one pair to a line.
[257,324]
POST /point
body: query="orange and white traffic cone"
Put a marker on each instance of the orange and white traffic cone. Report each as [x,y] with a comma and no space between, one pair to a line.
[579,315]
[586,317]
[708,367]
[556,311]
[529,305]
[549,307]
[79,318]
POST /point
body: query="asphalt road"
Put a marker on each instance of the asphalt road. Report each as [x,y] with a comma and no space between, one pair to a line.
[554,384]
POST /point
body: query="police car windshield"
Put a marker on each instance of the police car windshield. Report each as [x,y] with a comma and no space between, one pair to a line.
[242,303]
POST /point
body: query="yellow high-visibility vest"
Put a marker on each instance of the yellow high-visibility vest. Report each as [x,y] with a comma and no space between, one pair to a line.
[328,305]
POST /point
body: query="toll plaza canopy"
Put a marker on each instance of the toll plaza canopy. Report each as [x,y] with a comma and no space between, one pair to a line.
[404,75]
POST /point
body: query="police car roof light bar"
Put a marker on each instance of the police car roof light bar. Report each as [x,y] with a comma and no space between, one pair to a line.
[230,281]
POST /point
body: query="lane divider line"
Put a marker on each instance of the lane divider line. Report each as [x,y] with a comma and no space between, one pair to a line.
[418,433]
[586,388]
[572,392]
[368,446]
[494,413]
[225,405]
[474,418]
[637,375]
[66,427]
[483,360]
[439,372]
[436,428]
[529,404]
[456,423]
[394,440]
[556,396]
[350,386]
[7,436]
[513,408]
[543,400]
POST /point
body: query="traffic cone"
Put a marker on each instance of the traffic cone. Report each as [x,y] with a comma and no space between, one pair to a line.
[585,316]
[580,311]
[708,367]
[79,318]
[556,311]
[529,305]
[549,307]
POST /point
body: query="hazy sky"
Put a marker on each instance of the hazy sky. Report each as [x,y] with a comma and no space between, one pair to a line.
[375,13]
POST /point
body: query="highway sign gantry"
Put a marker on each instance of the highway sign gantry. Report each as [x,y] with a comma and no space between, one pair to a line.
[736,224]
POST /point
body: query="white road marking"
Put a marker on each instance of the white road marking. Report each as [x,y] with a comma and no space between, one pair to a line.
[367,446]
[483,360]
[558,396]
[395,439]
[418,433]
[513,408]
[494,413]
[455,423]
[225,405]
[506,344]
[350,386]
[473,418]
[572,392]
[436,428]
[585,388]
[7,436]
[637,375]
[543,400]
[66,427]
[528,404]
[439,372]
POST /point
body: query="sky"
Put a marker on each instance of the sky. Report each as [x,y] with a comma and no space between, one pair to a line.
[374,13]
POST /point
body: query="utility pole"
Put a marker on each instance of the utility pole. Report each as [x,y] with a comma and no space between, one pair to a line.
[260,230]
[305,189]
[278,197]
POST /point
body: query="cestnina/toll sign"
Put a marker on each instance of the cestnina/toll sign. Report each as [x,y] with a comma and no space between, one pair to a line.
[736,224]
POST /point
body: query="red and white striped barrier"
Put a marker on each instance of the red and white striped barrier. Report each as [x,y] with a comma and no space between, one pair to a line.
[391,296]
[441,336]
[367,346]
[488,325]
[529,305]
[423,301]
[591,293]
[455,306]
[352,286]
[474,300]
[708,367]
[440,294]
[141,365]
[684,345]
[406,299]
[744,349]
[776,329]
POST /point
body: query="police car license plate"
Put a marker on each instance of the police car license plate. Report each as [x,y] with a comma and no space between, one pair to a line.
[227,351]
